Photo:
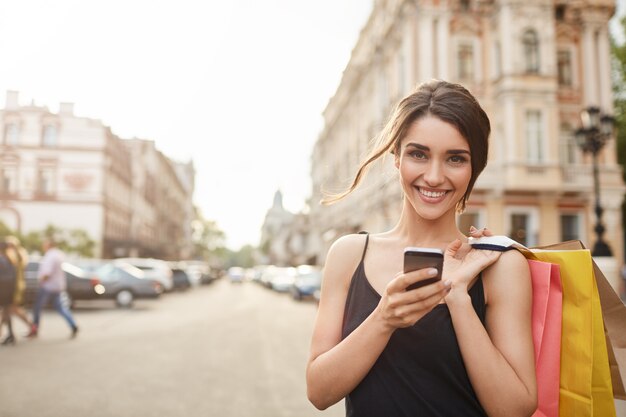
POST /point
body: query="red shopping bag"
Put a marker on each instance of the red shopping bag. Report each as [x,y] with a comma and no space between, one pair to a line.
[546,328]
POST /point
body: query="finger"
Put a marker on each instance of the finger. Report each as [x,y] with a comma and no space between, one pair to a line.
[425,304]
[474,232]
[404,280]
[427,291]
[453,247]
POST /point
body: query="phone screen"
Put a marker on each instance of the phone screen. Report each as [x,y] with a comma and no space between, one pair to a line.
[420,258]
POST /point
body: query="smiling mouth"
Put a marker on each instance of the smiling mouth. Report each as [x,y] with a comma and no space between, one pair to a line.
[431,194]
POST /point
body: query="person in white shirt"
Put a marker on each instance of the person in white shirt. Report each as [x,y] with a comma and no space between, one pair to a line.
[52,284]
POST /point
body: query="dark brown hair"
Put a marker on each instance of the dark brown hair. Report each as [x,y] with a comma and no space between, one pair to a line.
[451,103]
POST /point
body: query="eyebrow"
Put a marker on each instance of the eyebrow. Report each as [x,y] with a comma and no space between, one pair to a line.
[426,148]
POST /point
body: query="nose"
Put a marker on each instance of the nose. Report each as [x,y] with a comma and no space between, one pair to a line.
[434,175]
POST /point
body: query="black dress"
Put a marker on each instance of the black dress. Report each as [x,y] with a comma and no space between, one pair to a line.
[420,372]
[8,280]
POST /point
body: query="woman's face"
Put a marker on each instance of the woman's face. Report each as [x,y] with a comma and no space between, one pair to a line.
[435,166]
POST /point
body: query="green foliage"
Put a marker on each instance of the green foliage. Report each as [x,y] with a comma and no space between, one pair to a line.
[208,239]
[619,93]
[618,61]
[75,241]
[244,257]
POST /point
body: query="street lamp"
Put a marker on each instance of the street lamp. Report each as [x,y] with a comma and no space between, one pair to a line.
[597,129]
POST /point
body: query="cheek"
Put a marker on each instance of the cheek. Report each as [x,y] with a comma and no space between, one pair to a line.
[463,178]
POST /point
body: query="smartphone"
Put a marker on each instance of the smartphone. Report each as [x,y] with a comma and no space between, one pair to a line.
[420,258]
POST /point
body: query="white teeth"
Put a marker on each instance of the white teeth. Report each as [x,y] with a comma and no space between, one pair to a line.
[432,194]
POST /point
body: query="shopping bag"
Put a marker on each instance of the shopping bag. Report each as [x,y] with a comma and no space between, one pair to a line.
[585,376]
[546,329]
[614,315]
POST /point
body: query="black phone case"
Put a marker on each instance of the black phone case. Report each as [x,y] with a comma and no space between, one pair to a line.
[414,260]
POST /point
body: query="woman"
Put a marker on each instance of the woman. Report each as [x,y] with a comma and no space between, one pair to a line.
[19,258]
[7,288]
[459,346]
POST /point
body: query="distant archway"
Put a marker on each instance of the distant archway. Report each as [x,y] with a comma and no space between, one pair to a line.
[10,217]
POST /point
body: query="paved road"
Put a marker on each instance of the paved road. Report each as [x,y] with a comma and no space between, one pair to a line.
[219,350]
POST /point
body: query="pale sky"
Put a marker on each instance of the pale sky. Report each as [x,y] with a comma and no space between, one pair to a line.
[237,85]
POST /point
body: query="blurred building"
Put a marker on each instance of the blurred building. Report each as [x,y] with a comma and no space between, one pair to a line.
[533,66]
[287,239]
[74,173]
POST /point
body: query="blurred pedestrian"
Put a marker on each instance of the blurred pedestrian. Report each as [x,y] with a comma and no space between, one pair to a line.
[52,284]
[7,289]
[458,346]
[19,258]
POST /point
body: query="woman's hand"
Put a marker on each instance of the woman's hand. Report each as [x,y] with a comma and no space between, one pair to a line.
[462,264]
[474,232]
[401,308]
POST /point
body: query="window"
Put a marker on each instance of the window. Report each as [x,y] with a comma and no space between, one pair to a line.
[519,228]
[11,134]
[564,67]
[45,182]
[465,62]
[559,13]
[401,75]
[8,180]
[522,224]
[498,59]
[49,138]
[530,40]
[569,152]
[534,137]
[570,227]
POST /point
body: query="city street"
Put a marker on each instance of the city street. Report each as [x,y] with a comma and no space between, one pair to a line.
[218,350]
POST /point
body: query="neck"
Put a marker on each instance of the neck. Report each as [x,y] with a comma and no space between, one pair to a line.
[414,230]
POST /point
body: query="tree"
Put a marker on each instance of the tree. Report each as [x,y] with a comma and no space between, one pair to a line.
[618,52]
[208,239]
[76,241]
[619,93]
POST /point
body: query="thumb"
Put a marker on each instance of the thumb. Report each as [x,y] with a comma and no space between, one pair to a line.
[453,247]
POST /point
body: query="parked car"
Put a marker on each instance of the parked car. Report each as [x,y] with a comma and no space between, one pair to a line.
[281,278]
[80,284]
[182,279]
[155,269]
[236,274]
[124,283]
[199,272]
[308,280]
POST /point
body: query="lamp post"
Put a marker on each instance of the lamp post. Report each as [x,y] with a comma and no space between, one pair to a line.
[597,129]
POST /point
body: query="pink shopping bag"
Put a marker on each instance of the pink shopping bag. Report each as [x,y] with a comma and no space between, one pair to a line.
[546,328]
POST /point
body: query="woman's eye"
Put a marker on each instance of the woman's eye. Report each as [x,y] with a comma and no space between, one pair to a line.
[418,154]
[457,159]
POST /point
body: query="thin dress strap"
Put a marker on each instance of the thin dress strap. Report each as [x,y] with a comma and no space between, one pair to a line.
[367,239]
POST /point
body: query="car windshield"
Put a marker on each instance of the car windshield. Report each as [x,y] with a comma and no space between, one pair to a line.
[74,270]
[118,268]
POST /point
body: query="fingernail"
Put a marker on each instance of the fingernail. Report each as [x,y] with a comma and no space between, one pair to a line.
[447,283]
[432,272]
[472,228]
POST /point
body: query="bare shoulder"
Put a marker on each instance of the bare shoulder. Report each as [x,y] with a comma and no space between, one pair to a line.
[347,249]
[509,275]
[344,256]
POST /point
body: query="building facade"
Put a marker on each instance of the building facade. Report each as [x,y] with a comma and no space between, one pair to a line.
[533,65]
[74,173]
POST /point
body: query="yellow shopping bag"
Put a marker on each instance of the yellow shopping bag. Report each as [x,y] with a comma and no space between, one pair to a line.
[586,385]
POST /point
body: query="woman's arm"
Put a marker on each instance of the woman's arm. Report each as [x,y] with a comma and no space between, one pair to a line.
[337,366]
[499,358]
